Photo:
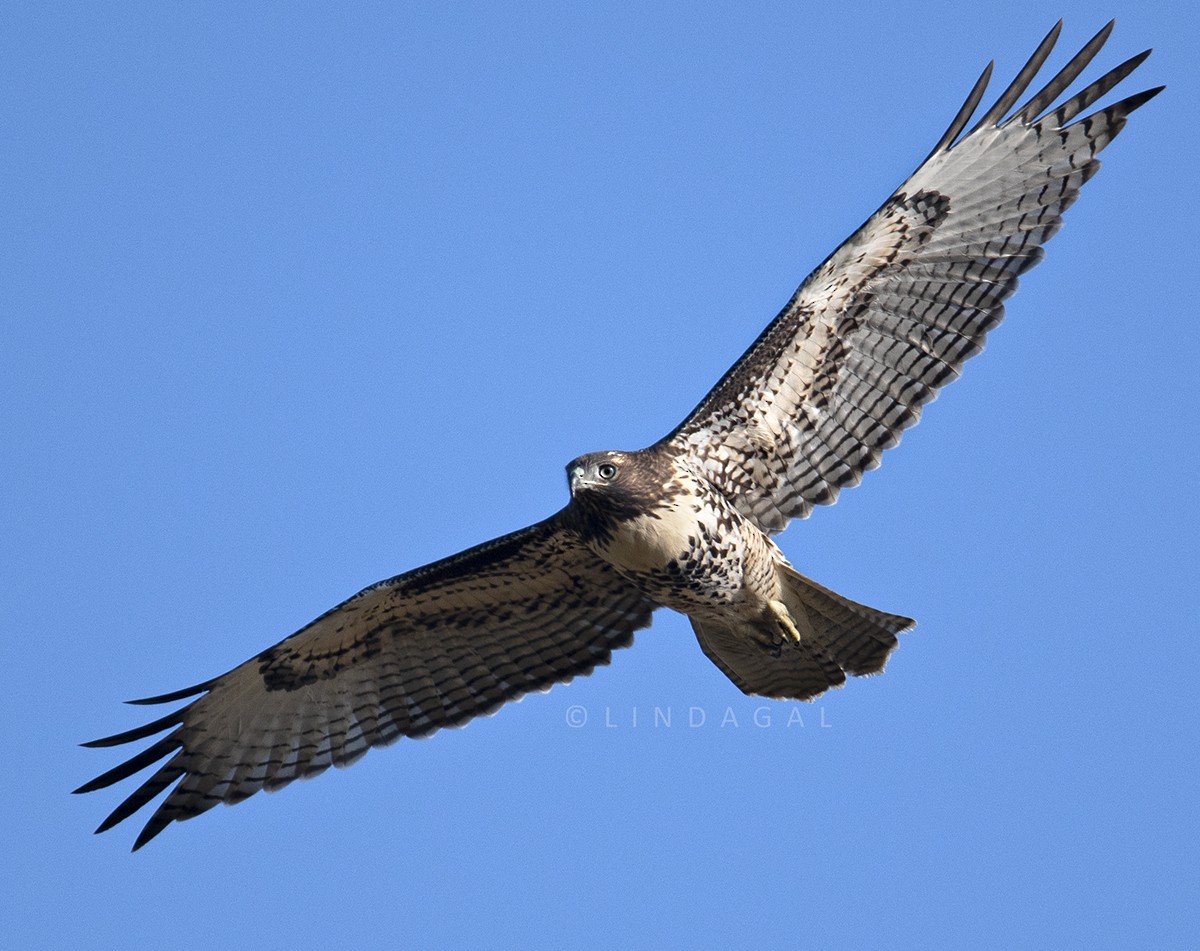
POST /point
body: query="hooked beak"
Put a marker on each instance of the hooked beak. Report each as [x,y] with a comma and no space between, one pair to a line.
[578,480]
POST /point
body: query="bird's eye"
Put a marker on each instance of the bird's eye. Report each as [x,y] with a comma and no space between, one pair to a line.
[607,471]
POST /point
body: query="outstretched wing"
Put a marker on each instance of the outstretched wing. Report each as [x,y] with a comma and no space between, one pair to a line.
[427,649]
[892,315]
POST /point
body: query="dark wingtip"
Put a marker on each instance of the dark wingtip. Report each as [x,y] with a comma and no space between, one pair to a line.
[174,695]
[1020,82]
[167,774]
[1135,61]
[965,111]
[1051,38]
[137,733]
[146,835]
[168,744]
[1128,105]
[162,818]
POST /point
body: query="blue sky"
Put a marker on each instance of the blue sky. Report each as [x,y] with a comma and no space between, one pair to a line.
[297,297]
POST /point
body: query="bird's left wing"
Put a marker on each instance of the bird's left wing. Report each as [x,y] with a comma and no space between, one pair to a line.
[405,657]
[894,312]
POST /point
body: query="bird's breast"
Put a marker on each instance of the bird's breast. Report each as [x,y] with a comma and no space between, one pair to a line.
[652,541]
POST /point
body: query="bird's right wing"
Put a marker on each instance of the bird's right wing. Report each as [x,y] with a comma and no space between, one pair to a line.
[405,657]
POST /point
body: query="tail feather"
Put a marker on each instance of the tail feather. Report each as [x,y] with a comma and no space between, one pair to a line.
[837,637]
[858,638]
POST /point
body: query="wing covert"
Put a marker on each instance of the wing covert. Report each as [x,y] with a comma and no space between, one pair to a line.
[896,310]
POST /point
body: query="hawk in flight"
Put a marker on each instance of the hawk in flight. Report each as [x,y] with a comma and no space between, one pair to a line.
[685,524]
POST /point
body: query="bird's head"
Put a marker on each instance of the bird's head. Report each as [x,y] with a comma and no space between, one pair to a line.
[610,487]
[598,471]
[607,488]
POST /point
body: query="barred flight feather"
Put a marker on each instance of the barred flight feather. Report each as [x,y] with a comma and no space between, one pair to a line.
[429,649]
[893,314]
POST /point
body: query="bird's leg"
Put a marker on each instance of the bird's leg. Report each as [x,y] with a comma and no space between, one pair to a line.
[783,620]
[775,629]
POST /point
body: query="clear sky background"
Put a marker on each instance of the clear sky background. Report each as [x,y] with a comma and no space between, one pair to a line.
[296,298]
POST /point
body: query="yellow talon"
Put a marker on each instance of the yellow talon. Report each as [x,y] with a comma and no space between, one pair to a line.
[784,618]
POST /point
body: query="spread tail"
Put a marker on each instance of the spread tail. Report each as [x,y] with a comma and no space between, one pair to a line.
[837,636]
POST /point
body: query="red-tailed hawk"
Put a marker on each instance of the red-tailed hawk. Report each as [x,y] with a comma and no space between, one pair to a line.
[847,365]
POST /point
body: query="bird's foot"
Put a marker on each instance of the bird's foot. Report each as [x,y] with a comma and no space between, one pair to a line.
[784,623]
